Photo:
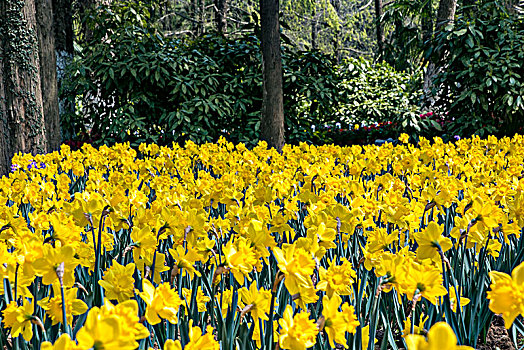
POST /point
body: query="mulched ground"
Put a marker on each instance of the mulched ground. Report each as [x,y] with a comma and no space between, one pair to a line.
[498,337]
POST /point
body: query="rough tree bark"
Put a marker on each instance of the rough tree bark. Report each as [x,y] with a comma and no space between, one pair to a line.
[221,8]
[272,121]
[22,126]
[380,28]
[46,54]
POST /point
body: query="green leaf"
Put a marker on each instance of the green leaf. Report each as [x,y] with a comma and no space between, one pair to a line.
[461,32]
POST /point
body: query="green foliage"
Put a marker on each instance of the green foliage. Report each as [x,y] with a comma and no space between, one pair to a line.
[137,85]
[344,27]
[482,85]
[141,87]
[377,93]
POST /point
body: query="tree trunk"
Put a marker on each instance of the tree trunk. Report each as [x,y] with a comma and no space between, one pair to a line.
[221,8]
[64,51]
[194,14]
[427,22]
[46,53]
[314,27]
[380,28]
[83,10]
[202,16]
[445,16]
[446,13]
[22,124]
[272,122]
[336,45]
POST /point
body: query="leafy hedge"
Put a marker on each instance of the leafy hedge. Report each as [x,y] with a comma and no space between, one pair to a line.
[135,84]
[482,85]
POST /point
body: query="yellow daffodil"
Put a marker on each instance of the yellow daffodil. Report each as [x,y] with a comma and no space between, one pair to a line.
[162,302]
[53,306]
[296,332]
[256,301]
[429,241]
[64,342]
[118,282]
[19,319]
[337,278]
[201,298]
[440,337]
[241,258]
[52,258]
[507,294]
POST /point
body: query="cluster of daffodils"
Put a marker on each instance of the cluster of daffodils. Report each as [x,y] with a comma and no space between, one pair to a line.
[220,247]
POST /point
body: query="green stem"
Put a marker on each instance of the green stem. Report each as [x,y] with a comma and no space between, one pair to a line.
[374,316]
[64,315]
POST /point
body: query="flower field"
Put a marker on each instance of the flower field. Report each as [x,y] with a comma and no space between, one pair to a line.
[220,247]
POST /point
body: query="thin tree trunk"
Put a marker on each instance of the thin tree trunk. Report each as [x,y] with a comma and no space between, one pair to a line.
[64,50]
[427,22]
[272,122]
[380,28]
[202,16]
[221,8]
[314,27]
[194,12]
[83,9]
[336,46]
[22,125]
[445,16]
[46,53]
[446,13]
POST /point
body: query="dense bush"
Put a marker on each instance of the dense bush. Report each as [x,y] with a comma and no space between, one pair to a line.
[137,85]
[377,93]
[482,84]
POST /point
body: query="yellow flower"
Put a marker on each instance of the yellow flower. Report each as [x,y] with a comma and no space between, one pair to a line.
[224,300]
[103,333]
[429,240]
[297,265]
[171,344]
[335,321]
[118,282]
[52,258]
[201,298]
[197,340]
[112,327]
[257,300]
[143,241]
[440,337]
[507,294]
[404,138]
[423,279]
[53,306]
[337,278]
[63,343]
[162,302]
[145,265]
[185,259]
[19,319]
[350,320]
[298,332]
[241,258]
